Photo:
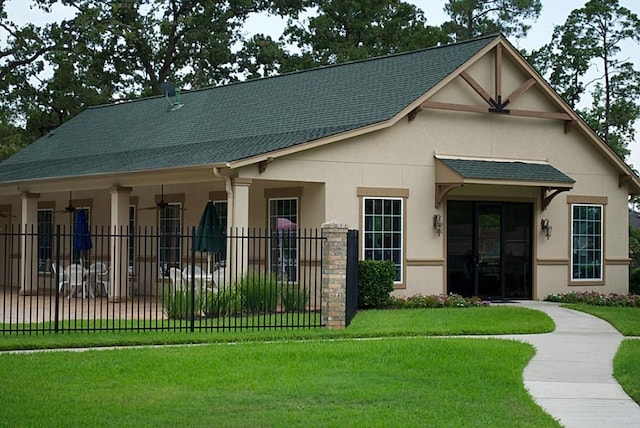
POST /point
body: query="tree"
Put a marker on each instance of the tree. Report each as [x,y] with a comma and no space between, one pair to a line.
[111,50]
[347,30]
[473,18]
[586,51]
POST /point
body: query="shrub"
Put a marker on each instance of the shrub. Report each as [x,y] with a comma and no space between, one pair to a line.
[634,281]
[436,301]
[595,298]
[375,282]
[177,304]
[259,293]
[222,303]
[294,299]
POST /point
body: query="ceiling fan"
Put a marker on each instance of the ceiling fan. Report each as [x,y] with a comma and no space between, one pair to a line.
[69,208]
[161,204]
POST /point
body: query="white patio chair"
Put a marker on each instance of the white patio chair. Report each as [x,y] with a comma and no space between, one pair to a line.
[76,274]
[176,278]
[63,277]
[186,272]
[99,274]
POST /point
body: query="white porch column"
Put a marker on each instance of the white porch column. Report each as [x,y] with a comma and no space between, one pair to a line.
[29,244]
[239,253]
[119,272]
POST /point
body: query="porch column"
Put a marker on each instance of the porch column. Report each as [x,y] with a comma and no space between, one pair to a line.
[119,272]
[29,244]
[239,254]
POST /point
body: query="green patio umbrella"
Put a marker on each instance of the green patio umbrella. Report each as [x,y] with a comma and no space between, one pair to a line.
[209,235]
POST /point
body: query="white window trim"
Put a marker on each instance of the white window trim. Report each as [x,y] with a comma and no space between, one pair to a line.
[402,243]
[601,234]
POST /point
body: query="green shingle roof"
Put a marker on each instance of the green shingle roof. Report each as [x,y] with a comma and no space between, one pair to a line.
[237,121]
[513,171]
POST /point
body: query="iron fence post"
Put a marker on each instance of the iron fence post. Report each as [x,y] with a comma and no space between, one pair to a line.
[193,279]
[57,282]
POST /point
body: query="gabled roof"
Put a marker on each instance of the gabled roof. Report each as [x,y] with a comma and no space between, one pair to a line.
[238,121]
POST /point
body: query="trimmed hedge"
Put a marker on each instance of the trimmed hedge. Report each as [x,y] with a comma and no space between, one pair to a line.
[375,283]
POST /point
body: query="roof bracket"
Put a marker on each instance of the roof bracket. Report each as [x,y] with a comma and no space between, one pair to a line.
[442,189]
[262,165]
[413,113]
[547,198]
[568,125]
[623,179]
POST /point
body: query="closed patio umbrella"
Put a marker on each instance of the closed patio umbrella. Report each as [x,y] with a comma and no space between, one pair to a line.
[209,236]
[81,236]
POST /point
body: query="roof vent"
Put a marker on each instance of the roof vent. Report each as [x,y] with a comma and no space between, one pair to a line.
[169,90]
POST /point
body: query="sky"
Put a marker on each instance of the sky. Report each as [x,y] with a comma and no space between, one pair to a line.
[554,12]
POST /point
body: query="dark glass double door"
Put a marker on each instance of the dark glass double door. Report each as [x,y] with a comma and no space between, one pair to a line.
[489,249]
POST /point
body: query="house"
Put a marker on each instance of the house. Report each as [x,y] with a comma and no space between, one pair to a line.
[458,162]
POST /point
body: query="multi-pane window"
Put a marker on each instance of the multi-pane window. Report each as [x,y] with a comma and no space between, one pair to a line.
[586,242]
[383,231]
[45,239]
[283,223]
[169,226]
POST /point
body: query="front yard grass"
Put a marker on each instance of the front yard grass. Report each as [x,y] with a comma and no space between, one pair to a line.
[370,323]
[326,383]
[625,319]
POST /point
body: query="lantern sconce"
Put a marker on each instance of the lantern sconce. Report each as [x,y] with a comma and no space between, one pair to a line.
[437,224]
[546,227]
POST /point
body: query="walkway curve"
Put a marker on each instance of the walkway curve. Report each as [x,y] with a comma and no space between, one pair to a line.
[571,374]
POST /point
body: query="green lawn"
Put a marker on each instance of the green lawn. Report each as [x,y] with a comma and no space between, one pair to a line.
[378,382]
[625,319]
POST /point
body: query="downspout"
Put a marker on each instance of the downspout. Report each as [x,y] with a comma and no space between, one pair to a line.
[230,201]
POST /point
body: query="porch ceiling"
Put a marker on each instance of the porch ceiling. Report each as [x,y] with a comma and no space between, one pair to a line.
[452,173]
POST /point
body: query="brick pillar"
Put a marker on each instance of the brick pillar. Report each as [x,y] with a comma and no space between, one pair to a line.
[334,275]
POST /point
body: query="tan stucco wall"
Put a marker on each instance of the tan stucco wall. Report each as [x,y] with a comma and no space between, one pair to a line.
[402,157]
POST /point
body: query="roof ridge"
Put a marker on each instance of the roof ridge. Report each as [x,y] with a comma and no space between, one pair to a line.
[305,71]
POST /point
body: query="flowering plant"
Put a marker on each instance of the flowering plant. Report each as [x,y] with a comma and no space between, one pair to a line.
[450,300]
[595,298]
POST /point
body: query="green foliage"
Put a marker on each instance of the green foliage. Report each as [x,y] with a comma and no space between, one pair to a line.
[589,40]
[626,319]
[473,18]
[375,282]
[221,303]
[595,298]
[259,293]
[177,304]
[294,299]
[634,281]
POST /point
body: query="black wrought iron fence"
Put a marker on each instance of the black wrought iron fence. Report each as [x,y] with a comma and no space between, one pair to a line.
[139,280]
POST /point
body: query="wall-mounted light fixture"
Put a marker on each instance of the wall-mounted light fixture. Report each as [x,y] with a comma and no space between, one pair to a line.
[437,223]
[545,225]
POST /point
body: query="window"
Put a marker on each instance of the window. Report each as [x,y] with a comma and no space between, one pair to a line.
[45,239]
[283,223]
[169,226]
[586,242]
[383,231]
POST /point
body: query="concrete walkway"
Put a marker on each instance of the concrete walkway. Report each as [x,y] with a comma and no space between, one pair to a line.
[571,375]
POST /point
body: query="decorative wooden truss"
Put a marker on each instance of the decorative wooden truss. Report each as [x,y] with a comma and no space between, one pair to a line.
[496,104]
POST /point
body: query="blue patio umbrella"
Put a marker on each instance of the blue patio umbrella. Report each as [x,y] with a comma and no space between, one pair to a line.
[209,235]
[81,236]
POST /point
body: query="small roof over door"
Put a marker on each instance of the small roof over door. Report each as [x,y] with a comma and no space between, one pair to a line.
[454,172]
